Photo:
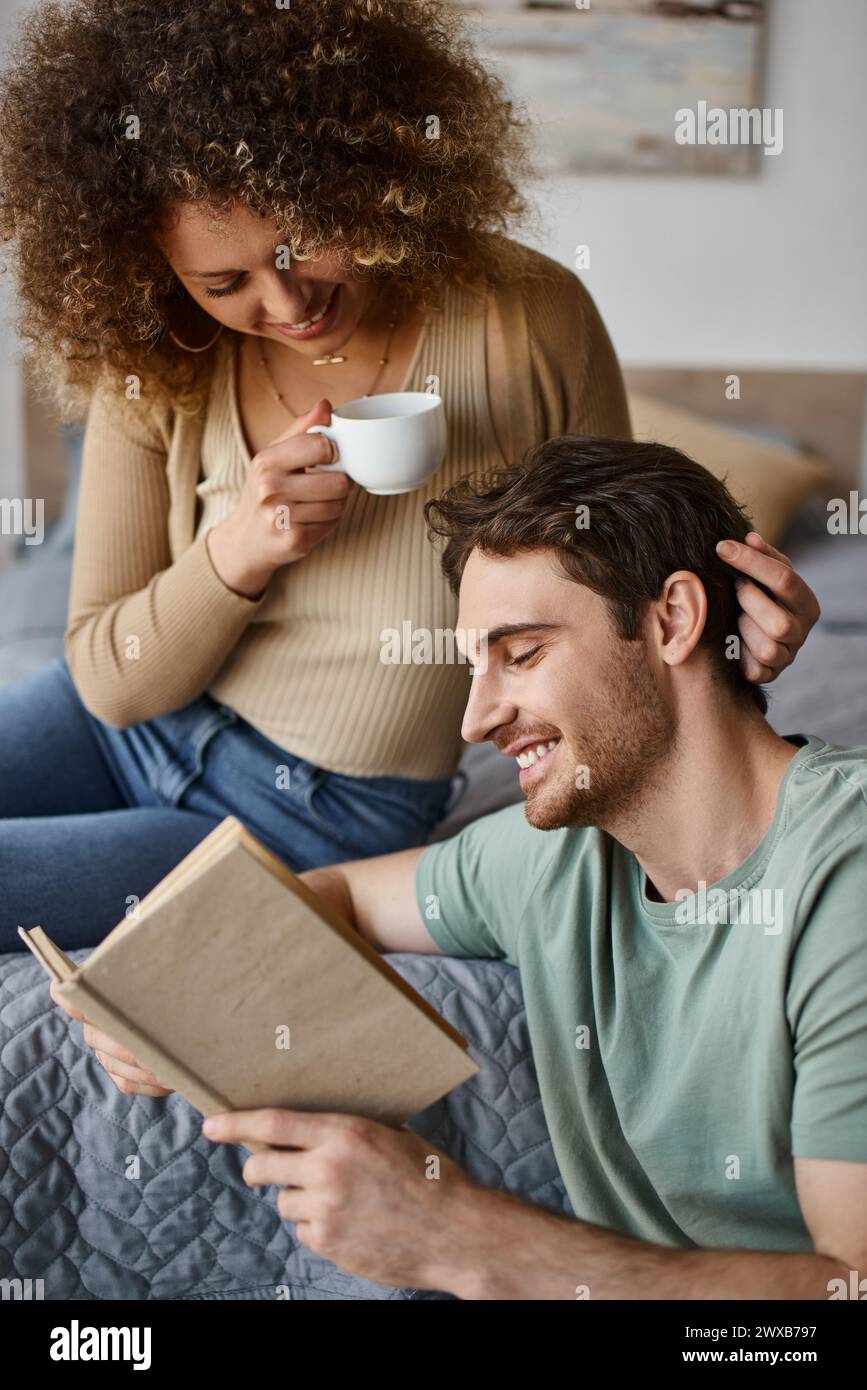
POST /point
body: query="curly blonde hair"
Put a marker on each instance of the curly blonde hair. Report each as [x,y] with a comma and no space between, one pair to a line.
[363,128]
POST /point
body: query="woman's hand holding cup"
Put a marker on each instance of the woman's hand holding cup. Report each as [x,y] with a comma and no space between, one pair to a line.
[283,511]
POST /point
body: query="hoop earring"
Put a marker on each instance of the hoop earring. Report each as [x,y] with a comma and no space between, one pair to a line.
[173,335]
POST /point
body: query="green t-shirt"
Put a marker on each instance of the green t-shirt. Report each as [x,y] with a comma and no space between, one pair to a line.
[682,1063]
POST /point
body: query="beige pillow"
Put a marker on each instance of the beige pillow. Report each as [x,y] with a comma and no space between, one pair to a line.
[771,480]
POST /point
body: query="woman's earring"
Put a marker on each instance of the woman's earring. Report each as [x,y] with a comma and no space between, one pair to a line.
[176,339]
[176,299]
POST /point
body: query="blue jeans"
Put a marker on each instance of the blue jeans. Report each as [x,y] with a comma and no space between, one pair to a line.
[92,817]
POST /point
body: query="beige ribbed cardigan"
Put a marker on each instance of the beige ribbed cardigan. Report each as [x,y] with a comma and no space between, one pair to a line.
[152,626]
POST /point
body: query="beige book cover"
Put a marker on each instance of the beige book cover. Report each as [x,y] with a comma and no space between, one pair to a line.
[241,988]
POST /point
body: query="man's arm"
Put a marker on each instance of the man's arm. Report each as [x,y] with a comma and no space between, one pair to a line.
[508,1249]
[377,898]
[361,1194]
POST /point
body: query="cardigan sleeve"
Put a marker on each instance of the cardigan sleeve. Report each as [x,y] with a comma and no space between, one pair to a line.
[576,382]
[597,402]
[144,636]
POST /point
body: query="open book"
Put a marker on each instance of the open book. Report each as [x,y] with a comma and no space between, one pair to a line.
[241,988]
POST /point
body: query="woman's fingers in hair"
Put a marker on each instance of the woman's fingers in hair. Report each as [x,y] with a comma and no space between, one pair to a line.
[770,567]
[777,625]
[758,542]
[762,659]
[779,607]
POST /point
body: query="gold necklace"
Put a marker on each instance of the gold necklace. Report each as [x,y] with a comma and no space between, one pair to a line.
[278,396]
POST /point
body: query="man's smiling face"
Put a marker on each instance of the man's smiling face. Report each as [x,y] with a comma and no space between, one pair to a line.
[583,712]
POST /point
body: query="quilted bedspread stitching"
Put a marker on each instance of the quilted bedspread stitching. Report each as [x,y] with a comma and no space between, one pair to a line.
[189,1228]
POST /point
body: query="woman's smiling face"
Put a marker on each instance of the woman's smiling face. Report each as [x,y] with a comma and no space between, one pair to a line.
[229,268]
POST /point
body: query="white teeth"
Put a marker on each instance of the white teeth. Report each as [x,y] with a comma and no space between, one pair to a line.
[317,318]
[532,755]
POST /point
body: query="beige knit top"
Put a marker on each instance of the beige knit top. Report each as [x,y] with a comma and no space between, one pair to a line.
[152,626]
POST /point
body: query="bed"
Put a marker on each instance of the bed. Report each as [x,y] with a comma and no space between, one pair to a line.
[188,1227]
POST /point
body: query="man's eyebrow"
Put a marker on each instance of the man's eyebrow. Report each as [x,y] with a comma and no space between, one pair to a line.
[512,629]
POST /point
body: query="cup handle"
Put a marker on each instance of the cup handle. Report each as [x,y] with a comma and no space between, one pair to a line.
[336,467]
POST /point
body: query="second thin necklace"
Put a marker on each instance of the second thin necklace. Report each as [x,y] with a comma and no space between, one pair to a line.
[278,395]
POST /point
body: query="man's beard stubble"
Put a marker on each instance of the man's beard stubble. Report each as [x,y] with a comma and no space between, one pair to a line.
[624,742]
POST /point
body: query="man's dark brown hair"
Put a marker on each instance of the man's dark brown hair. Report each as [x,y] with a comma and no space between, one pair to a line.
[651,510]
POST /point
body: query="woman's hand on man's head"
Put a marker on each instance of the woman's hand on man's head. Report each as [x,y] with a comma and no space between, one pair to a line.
[777,616]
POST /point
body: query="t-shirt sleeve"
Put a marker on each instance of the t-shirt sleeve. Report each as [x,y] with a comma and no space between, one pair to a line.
[471,889]
[827,1009]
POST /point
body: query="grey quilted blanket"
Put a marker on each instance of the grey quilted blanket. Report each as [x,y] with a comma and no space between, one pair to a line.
[188,1227]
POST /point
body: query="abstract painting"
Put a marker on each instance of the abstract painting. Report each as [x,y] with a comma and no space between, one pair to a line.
[603,80]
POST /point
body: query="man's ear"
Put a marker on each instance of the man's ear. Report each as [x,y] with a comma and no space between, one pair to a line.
[676,619]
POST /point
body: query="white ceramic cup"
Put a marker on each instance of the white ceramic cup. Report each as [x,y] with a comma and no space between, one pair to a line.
[388,444]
